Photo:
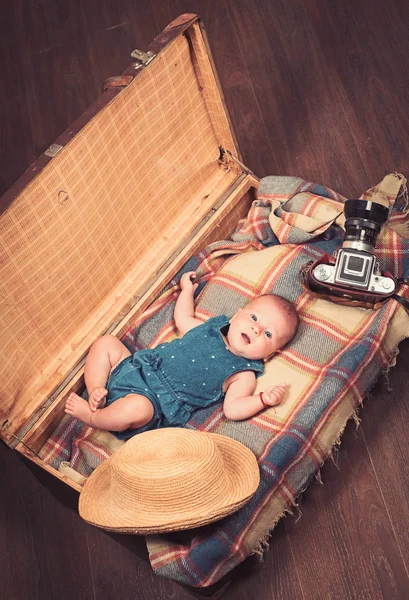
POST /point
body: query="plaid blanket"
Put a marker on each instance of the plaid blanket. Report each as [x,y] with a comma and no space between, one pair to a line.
[335,358]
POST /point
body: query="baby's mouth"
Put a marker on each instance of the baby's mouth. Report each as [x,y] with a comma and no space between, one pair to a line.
[245,338]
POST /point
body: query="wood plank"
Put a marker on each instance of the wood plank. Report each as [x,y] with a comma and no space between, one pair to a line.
[120,569]
[297,104]
[231,63]
[385,419]
[276,576]
[343,545]
[45,552]
[361,46]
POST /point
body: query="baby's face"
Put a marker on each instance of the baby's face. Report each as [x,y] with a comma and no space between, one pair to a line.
[257,330]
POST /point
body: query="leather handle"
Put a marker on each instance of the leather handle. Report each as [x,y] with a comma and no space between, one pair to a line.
[118,81]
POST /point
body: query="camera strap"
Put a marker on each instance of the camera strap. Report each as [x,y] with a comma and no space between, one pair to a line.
[405,303]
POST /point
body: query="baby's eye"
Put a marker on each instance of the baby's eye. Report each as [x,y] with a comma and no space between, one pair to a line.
[253,317]
[268,334]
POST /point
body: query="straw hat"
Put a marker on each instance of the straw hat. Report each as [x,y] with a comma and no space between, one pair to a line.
[169,479]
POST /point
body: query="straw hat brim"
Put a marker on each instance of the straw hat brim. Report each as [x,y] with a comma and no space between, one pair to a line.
[96,508]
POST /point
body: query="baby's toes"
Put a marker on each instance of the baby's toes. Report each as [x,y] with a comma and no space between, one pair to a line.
[97,399]
[70,403]
[101,395]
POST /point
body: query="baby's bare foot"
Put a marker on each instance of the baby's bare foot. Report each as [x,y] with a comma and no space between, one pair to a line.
[78,408]
[97,398]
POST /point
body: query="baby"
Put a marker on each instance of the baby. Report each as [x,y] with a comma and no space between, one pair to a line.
[216,360]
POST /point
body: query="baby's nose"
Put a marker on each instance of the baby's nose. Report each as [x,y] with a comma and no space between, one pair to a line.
[256,328]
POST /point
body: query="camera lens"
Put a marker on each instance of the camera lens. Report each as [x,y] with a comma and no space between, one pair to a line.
[364,220]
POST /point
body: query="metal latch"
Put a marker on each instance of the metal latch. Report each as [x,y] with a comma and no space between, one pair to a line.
[53,150]
[144,58]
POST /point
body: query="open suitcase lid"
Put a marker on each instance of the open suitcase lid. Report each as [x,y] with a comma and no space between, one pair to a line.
[83,231]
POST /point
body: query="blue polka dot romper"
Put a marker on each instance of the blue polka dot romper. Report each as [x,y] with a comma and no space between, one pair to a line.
[180,376]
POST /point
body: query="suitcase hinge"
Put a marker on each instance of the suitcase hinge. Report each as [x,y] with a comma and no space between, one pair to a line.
[143,58]
[17,440]
[227,156]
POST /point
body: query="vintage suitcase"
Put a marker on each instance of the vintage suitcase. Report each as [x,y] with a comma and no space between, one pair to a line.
[92,232]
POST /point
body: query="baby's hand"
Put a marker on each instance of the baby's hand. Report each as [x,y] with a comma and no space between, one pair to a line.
[97,398]
[186,282]
[274,394]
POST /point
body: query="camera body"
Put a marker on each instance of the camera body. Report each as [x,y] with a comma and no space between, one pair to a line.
[352,272]
[355,269]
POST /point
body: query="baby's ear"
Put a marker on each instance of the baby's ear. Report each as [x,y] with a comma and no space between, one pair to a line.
[265,360]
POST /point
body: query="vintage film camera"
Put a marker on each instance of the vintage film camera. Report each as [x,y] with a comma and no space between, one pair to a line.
[352,275]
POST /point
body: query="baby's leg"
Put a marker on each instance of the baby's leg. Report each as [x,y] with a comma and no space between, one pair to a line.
[130,412]
[103,356]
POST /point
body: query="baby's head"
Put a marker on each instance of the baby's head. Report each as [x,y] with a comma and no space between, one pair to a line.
[262,327]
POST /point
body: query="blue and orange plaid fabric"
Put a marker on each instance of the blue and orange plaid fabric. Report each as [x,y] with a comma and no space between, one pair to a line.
[335,358]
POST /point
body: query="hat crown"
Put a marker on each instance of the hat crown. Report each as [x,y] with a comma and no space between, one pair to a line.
[187,469]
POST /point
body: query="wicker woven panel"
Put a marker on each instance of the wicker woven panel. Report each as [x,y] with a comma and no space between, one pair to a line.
[102,217]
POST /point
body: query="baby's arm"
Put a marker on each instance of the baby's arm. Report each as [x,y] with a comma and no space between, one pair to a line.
[240,403]
[185,309]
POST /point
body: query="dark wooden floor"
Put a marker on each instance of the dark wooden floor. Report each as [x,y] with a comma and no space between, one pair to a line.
[315,89]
